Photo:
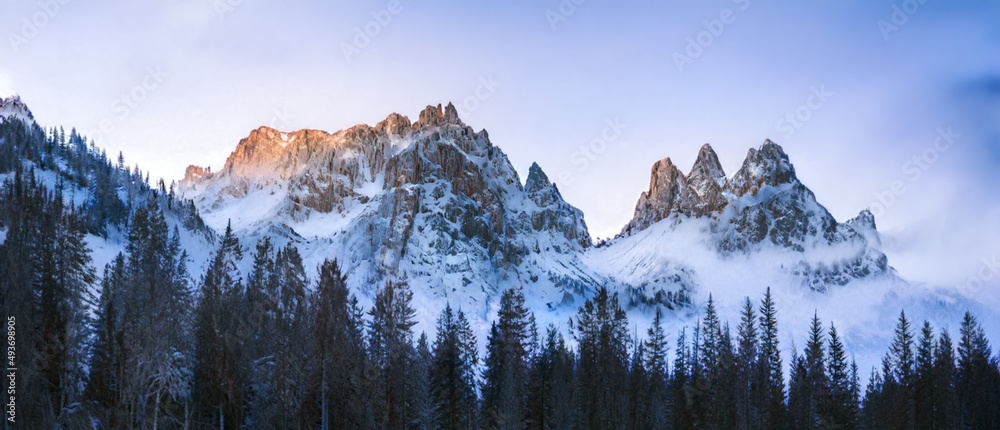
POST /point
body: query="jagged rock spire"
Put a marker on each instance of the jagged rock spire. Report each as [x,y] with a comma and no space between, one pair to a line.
[537,180]
[666,182]
[436,116]
[768,165]
[707,166]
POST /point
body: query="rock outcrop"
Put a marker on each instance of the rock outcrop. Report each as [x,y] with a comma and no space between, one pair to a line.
[762,205]
[430,198]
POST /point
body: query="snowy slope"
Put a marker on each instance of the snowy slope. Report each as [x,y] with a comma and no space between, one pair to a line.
[437,204]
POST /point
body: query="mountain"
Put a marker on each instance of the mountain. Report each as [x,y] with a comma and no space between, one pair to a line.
[435,203]
[438,205]
[13,107]
[432,202]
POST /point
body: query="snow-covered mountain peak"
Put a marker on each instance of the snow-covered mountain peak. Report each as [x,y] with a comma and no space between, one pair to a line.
[12,107]
[768,165]
[432,202]
[665,183]
[537,179]
[707,166]
[433,116]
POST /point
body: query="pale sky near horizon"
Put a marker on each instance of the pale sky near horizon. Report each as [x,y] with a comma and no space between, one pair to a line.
[872,83]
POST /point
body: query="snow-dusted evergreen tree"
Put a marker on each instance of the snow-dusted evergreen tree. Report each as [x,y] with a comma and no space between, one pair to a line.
[770,375]
[946,410]
[107,352]
[505,378]
[808,389]
[340,365]
[978,382]
[657,366]
[748,403]
[221,369]
[47,274]
[154,321]
[390,341]
[601,333]
[551,385]
[840,407]
[454,402]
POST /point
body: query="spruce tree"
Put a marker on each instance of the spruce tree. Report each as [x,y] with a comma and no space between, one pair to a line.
[656,350]
[770,377]
[902,374]
[452,378]
[924,394]
[978,382]
[946,410]
[340,361]
[839,409]
[551,385]
[506,375]
[220,367]
[602,372]
[391,350]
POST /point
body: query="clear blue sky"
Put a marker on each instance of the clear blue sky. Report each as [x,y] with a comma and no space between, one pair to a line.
[874,81]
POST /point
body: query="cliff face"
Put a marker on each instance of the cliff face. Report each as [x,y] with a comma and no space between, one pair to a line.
[437,204]
[762,205]
[399,199]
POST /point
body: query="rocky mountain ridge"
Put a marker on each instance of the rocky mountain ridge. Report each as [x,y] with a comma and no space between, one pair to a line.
[437,204]
[13,107]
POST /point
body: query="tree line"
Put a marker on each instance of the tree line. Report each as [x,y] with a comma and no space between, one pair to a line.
[273,349]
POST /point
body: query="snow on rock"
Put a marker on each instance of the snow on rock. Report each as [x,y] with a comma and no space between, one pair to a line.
[436,204]
[13,108]
[433,203]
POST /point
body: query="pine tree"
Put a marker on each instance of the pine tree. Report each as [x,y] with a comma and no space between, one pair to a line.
[505,379]
[748,403]
[946,408]
[770,377]
[340,354]
[639,407]
[452,377]
[391,350]
[551,385]
[106,359]
[840,407]
[421,385]
[902,374]
[683,417]
[978,382]
[809,387]
[600,331]
[219,358]
[656,349]
[923,385]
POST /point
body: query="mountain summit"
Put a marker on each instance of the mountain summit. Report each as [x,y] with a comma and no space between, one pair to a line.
[13,107]
[437,204]
[433,202]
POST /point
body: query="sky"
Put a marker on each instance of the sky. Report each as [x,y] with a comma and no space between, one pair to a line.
[892,105]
